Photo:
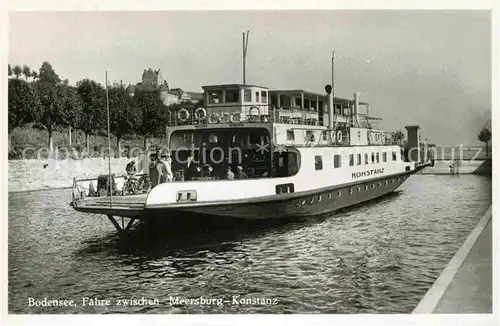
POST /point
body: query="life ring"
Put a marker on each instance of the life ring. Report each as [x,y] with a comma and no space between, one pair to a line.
[201,116]
[339,136]
[333,136]
[214,117]
[377,137]
[252,109]
[183,115]
[235,117]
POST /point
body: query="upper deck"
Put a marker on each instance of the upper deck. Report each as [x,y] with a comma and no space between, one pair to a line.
[285,111]
[251,103]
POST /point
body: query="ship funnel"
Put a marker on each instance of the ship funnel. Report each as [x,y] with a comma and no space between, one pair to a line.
[412,145]
[356,107]
[356,102]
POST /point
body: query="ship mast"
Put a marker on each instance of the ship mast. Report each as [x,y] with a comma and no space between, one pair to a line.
[245,47]
[109,147]
[333,73]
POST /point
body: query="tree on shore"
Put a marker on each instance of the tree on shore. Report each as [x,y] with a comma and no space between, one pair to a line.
[48,74]
[23,104]
[34,75]
[93,113]
[26,72]
[52,108]
[399,136]
[17,71]
[9,70]
[125,118]
[51,94]
[485,136]
[71,109]
[153,110]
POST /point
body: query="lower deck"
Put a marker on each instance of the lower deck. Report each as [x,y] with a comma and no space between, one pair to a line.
[283,205]
[126,206]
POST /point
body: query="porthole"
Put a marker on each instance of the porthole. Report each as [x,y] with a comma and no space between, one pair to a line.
[359,189]
[350,191]
[366,187]
[303,202]
[319,198]
[386,182]
[339,193]
[392,180]
[330,196]
[373,186]
[312,200]
[379,185]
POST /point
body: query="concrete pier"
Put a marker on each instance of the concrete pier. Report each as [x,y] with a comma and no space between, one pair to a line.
[465,285]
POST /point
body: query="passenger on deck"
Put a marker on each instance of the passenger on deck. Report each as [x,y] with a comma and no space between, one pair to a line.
[154,170]
[229,174]
[239,173]
[166,169]
[131,168]
[190,170]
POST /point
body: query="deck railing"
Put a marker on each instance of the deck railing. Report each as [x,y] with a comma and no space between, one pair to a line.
[99,186]
[262,113]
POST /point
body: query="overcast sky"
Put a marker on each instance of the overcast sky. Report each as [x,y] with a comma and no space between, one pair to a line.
[431,68]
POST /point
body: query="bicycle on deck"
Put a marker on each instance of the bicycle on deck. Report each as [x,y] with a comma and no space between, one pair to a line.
[136,184]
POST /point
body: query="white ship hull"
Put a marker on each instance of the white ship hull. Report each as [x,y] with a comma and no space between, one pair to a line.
[304,204]
[311,191]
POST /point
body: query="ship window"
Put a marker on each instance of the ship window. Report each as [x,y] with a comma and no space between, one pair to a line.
[336,161]
[384,157]
[318,162]
[366,158]
[309,135]
[215,97]
[359,159]
[285,101]
[378,157]
[248,95]
[351,159]
[307,103]
[298,102]
[325,135]
[290,135]
[394,156]
[232,96]
[287,163]
[274,100]
[338,109]
[373,157]
[257,97]
[264,97]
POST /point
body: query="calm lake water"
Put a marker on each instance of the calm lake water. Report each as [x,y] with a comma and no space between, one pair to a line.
[380,257]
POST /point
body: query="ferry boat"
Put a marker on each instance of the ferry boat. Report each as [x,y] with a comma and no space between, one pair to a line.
[301,153]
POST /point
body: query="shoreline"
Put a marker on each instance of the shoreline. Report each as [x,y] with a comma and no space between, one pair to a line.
[36,190]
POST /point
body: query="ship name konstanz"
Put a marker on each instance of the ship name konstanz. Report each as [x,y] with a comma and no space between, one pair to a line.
[367,173]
